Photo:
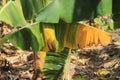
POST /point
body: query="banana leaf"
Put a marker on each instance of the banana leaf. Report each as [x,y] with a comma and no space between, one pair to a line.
[28,38]
[104,7]
[32,7]
[53,37]
[12,14]
[54,66]
[37,37]
[75,10]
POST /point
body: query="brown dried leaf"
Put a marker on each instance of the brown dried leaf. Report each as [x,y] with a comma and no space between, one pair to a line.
[83,61]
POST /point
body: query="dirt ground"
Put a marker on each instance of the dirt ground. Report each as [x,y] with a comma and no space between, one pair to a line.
[97,63]
[93,63]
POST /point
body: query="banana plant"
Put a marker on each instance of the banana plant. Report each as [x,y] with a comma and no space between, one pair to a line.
[50,29]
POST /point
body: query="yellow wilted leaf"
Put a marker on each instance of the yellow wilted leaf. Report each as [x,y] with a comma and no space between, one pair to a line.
[50,39]
[104,38]
[80,40]
[91,36]
[76,35]
[87,36]
[96,38]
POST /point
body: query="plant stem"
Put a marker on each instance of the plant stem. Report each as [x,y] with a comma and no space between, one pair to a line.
[67,75]
[39,58]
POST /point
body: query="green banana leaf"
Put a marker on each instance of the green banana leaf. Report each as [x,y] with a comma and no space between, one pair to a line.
[32,7]
[74,10]
[12,14]
[15,12]
[28,38]
[104,7]
[54,66]
[60,31]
